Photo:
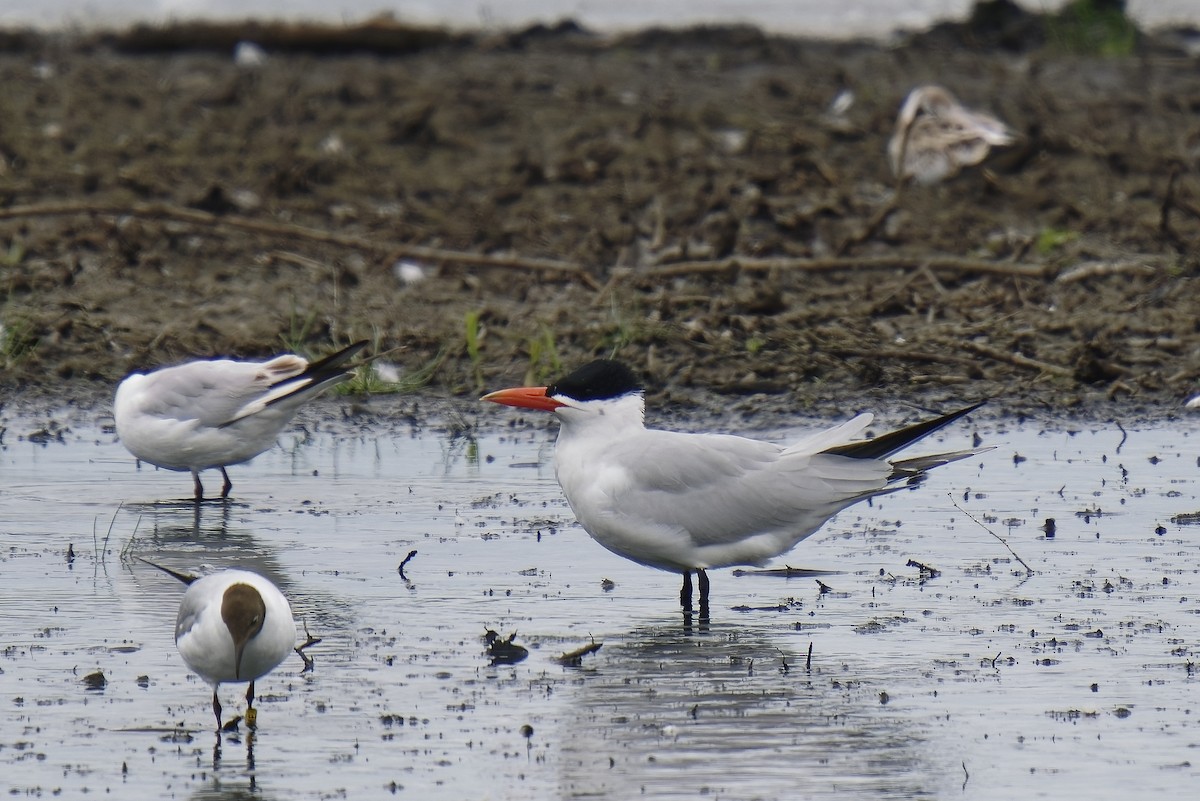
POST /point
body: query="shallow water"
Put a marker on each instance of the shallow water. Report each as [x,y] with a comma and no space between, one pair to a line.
[981,683]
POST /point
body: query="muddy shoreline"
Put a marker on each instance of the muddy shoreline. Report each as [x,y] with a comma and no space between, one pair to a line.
[684,200]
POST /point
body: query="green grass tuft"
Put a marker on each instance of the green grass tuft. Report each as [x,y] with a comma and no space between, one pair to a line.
[17,343]
[1093,28]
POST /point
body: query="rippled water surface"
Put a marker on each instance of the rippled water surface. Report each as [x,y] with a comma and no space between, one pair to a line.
[982,682]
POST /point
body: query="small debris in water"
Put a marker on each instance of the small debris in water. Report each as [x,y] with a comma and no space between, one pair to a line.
[309,641]
[407,559]
[95,681]
[786,572]
[575,658]
[926,570]
[608,585]
[504,652]
[1050,528]
[791,604]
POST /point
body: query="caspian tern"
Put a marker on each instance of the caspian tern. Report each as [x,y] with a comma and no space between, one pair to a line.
[215,413]
[233,626]
[936,136]
[689,502]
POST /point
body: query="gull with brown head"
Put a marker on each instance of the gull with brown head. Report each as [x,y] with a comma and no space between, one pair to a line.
[232,626]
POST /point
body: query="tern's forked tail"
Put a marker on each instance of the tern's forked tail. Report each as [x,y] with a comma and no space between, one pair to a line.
[883,446]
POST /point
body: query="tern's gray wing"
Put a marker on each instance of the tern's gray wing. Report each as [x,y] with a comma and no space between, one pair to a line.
[720,489]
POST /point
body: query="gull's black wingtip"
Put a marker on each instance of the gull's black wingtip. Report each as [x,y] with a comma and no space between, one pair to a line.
[887,444]
[337,359]
[318,373]
[186,578]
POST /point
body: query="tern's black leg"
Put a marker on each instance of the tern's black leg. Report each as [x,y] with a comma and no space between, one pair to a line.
[250,696]
[227,486]
[685,594]
[198,485]
[217,709]
[702,580]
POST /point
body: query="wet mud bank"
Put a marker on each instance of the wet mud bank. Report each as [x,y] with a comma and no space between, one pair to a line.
[503,207]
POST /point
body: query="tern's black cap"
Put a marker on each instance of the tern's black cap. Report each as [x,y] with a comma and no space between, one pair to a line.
[603,379]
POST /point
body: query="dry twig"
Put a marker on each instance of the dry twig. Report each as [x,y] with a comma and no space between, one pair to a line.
[309,641]
[836,263]
[1029,571]
[204,219]
[1017,359]
[575,658]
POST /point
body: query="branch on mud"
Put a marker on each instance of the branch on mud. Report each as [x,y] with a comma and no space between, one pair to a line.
[850,263]
[165,211]
[903,355]
[1017,359]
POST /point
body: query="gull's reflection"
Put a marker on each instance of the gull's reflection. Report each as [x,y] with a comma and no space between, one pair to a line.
[198,540]
[222,786]
[190,537]
[235,738]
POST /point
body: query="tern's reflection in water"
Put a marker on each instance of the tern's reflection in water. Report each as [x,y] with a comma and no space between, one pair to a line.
[703,619]
[733,712]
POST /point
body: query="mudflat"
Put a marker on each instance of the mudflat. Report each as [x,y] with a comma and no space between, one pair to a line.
[713,206]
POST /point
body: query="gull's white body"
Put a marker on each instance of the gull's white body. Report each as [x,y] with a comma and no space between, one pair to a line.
[936,136]
[682,502]
[212,414]
[204,640]
[179,418]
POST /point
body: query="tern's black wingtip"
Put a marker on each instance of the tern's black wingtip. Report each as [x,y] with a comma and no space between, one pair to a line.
[887,444]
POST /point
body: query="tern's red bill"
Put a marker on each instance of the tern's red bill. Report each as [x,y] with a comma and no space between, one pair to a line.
[524,398]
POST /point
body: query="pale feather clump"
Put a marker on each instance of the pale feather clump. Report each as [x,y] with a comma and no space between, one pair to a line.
[936,136]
